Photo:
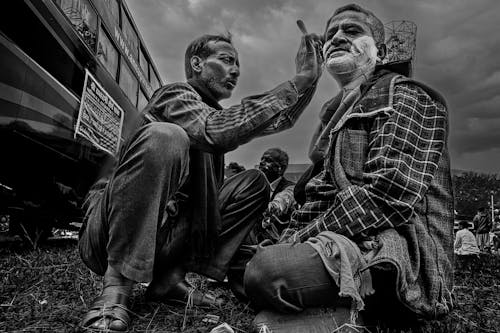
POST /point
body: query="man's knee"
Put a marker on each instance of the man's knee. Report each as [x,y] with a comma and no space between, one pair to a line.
[261,272]
[165,141]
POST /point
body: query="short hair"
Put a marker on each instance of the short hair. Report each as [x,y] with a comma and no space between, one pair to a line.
[236,167]
[281,155]
[374,22]
[464,224]
[199,47]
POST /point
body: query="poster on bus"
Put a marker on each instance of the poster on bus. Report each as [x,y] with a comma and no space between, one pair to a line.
[100,118]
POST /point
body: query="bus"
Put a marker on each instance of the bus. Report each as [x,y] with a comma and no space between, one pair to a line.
[73,74]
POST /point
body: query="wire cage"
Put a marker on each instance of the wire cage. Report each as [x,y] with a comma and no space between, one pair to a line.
[401,41]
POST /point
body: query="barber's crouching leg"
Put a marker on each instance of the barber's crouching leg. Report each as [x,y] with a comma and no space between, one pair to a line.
[242,200]
[121,233]
[282,280]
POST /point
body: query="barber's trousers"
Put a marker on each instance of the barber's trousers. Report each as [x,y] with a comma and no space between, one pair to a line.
[128,227]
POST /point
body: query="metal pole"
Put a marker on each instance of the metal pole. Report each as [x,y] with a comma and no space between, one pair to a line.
[492,209]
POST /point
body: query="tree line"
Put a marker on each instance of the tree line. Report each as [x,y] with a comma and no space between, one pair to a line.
[473,190]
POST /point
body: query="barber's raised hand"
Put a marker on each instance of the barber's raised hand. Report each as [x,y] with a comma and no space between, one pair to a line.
[309,59]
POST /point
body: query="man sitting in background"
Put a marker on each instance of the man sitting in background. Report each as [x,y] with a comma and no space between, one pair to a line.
[273,164]
[465,242]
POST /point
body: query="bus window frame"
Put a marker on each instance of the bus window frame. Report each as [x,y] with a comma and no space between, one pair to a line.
[98,22]
[141,91]
[154,77]
[118,20]
[134,103]
[143,54]
[102,24]
[104,29]
[124,16]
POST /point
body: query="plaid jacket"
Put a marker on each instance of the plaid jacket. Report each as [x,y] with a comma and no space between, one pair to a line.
[387,174]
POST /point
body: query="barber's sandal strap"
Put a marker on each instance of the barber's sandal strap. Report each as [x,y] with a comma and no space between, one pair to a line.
[111,306]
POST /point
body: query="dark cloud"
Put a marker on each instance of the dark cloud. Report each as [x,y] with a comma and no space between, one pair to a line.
[457,50]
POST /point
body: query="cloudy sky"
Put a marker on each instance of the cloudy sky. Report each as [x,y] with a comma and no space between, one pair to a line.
[458,47]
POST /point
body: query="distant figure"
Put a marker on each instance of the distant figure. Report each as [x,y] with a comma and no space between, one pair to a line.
[496,238]
[465,242]
[273,164]
[482,221]
[232,169]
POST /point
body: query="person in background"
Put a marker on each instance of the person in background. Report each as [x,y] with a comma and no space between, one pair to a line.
[465,242]
[165,209]
[496,237]
[377,222]
[483,224]
[273,164]
[232,169]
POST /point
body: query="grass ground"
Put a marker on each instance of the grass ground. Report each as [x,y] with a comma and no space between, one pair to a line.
[48,290]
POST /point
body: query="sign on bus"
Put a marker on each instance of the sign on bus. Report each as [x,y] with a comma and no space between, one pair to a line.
[100,118]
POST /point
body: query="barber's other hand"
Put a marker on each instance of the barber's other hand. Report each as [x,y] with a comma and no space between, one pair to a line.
[273,208]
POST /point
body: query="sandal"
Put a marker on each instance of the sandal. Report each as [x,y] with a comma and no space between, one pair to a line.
[111,306]
[184,293]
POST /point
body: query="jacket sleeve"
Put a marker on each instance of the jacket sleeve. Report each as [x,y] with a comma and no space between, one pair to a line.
[284,200]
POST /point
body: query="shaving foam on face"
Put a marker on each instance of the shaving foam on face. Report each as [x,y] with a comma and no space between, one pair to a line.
[360,60]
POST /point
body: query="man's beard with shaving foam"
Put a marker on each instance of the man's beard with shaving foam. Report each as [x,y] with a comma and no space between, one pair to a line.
[360,60]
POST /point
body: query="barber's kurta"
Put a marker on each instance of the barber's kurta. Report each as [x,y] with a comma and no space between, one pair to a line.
[150,182]
[213,131]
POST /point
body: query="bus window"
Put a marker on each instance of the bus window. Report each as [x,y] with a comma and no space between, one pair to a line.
[128,82]
[114,8]
[107,53]
[83,17]
[142,102]
[130,35]
[155,82]
[143,63]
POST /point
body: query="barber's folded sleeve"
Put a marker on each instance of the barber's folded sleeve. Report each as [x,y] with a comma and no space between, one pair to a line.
[224,130]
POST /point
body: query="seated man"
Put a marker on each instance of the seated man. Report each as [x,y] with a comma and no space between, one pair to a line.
[273,164]
[465,242]
[165,210]
[377,222]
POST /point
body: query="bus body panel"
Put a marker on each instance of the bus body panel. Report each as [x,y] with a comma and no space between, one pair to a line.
[44,167]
